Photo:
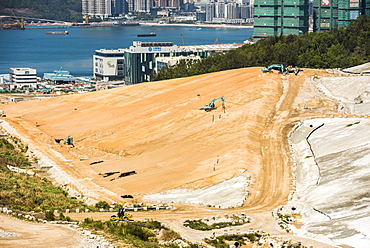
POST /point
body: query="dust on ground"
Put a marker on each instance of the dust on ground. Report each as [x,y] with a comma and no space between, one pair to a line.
[157,130]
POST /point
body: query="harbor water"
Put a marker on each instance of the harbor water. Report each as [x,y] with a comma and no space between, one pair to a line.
[74,52]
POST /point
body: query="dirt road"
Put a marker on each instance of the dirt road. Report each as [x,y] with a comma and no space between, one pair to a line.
[17,233]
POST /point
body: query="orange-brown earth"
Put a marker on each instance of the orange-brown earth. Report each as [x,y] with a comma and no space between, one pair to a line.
[157,130]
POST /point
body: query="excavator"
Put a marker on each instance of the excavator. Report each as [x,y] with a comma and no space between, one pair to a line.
[121,216]
[69,141]
[211,105]
[278,67]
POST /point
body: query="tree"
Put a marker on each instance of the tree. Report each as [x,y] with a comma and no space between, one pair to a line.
[102,204]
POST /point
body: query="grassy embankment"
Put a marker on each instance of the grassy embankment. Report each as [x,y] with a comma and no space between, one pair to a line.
[27,192]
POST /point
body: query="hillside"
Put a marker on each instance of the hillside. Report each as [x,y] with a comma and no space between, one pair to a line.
[157,130]
[62,10]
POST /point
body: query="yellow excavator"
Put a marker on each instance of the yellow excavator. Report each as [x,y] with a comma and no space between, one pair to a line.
[122,216]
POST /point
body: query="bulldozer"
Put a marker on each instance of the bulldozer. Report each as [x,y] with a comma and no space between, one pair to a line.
[211,105]
[121,216]
[294,70]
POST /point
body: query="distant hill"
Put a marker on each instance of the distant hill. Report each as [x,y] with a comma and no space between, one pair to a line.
[63,10]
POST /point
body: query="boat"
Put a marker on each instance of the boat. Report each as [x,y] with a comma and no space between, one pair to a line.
[65,32]
[145,35]
[128,24]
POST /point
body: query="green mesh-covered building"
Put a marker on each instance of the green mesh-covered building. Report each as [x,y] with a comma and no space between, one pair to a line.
[329,14]
[280,17]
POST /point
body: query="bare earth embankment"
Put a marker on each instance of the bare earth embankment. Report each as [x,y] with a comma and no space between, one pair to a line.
[157,130]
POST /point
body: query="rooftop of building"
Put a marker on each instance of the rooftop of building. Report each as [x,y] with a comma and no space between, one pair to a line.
[209,47]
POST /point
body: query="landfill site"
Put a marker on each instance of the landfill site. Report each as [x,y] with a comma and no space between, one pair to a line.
[237,142]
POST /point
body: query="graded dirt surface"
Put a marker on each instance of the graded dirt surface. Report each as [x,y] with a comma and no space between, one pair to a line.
[157,130]
[27,234]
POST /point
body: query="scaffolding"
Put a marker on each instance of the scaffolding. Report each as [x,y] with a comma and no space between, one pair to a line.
[278,17]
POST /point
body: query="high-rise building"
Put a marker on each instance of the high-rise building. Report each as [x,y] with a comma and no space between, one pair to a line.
[97,8]
[210,11]
[232,10]
[142,5]
[333,14]
[280,17]
[220,9]
[119,7]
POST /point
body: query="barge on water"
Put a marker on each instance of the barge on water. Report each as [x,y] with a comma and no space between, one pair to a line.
[146,35]
[65,32]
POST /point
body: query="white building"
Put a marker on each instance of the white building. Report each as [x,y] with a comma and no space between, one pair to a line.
[142,5]
[137,63]
[23,77]
[97,8]
[109,64]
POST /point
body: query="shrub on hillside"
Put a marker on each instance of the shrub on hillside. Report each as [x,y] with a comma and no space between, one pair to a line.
[102,204]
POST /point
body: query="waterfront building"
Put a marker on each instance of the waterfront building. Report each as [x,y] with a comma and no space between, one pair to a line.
[23,78]
[142,5]
[280,17]
[333,14]
[159,4]
[137,63]
[109,64]
[227,12]
[232,11]
[210,11]
[130,5]
[220,10]
[59,77]
[119,7]
[105,8]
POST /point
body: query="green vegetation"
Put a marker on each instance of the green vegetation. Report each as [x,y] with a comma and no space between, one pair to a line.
[200,225]
[284,221]
[9,154]
[357,122]
[102,204]
[138,234]
[62,10]
[224,241]
[338,48]
[28,192]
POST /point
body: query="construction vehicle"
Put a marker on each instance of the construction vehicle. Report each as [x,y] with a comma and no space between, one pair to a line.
[69,140]
[278,67]
[294,70]
[121,216]
[211,105]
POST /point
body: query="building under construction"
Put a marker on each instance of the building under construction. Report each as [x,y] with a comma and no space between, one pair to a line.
[333,14]
[280,17]
[285,17]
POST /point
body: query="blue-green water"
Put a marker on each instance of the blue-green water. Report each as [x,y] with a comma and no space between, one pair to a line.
[74,52]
